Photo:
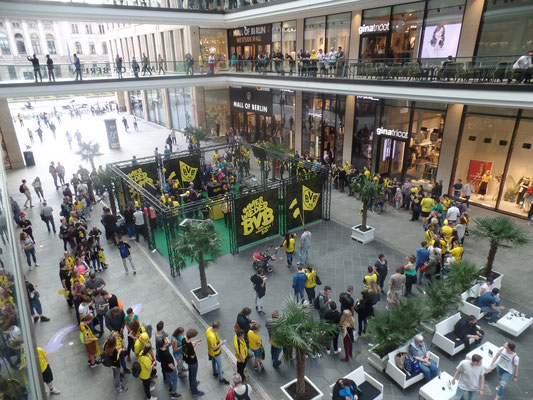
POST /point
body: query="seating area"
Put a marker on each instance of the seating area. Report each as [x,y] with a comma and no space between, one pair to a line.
[398,375]
[468,307]
[371,389]
[445,337]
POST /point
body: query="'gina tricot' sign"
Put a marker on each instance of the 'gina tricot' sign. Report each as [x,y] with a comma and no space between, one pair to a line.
[374,28]
[393,133]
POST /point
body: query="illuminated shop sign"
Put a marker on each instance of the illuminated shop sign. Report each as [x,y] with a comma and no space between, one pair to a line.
[393,133]
[374,28]
[250,34]
[248,99]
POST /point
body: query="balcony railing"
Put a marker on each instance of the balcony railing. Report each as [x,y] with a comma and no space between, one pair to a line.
[459,70]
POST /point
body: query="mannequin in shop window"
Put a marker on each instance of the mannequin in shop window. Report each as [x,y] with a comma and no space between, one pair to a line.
[523,184]
[484,184]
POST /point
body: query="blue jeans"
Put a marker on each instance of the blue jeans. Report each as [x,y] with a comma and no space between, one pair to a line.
[430,371]
[492,314]
[35,305]
[299,294]
[459,394]
[50,221]
[29,255]
[304,256]
[504,377]
[289,258]
[172,380]
[216,363]
[193,383]
[275,351]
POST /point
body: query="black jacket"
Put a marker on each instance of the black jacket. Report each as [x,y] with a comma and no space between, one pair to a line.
[115,323]
[353,387]
[463,328]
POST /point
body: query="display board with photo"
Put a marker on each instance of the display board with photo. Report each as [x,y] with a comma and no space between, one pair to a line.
[441,41]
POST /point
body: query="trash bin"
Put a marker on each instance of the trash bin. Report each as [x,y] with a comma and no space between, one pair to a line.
[28,158]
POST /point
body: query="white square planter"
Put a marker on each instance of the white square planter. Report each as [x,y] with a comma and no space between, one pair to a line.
[206,304]
[363,237]
[288,396]
[497,281]
[376,361]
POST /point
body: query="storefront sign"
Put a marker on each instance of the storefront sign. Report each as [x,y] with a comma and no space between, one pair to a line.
[250,35]
[247,99]
[364,29]
[393,133]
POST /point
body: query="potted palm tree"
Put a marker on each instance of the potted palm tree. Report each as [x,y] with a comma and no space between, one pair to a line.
[299,334]
[88,151]
[367,191]
[442,298]
[392,328]
[464,274]
[198,134]
[202,244]
[501,232]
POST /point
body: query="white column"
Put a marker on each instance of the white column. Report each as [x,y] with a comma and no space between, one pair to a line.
[348,129]
[450,138]
[471,24]
[27,42]
[42,37]
[60,45]
[357,17]
[11,38]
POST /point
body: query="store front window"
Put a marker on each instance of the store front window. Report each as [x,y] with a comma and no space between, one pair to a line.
[366,112]
[284,101]
[247,43]
[338,32]
[406,27]
[374,33]
[314,33]
[136,103]
[180,107]
[284,37]
[156,109]
[214,41]
[506,28]
[251,113]
[217,109]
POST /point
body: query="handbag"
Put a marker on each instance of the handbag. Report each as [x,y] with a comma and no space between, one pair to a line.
[318,281]
[262,353]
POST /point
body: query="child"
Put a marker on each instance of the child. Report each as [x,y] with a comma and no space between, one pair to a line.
[89,340]
[101,257]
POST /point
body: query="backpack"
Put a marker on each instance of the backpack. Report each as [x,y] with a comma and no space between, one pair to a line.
[106,360]
[136,369]
[21,189]
[148,330]
[316,302]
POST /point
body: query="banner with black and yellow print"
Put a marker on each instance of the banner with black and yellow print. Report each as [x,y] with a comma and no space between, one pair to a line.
[256,217]
[303,202]
[184,170]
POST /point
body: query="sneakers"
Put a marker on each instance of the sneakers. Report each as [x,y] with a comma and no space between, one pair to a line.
[175,396]
[328,351]
[152,398]
[55,391]
[337,351]
[197,394]
[122,389]
[94,365]
[127,371]
[35,319]
[44,319]
[152,388]
[134,272]
[492,323]
[224,381]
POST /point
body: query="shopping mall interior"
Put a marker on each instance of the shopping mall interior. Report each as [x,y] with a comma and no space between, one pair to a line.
[434,92]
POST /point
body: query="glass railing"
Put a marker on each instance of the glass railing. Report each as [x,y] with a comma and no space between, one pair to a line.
[19,363]
[211,5]
[458,70]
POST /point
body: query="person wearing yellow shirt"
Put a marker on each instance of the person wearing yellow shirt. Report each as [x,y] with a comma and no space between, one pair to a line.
[310,284]
[48,376]
[446,202]
[146,363]
[448,231]
[89,340]
[241,352]
[254,342]
[430,233]
[141,341]
[366,173]
[289,243]
[214,350]
[426,203]
[457,251]
[371,276]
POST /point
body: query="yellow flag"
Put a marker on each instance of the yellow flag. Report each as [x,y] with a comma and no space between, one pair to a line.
[188,173]
[310,198]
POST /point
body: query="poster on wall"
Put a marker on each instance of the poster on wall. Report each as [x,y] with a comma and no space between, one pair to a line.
[257,217]
[184,169]
[476,170]
[142,173]
[441,41]
[304,202]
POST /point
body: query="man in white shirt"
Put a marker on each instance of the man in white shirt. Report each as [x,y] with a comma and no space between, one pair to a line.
[453,213]
[138,217]
[241,389]
[471,376]
[332,60]
[524,67]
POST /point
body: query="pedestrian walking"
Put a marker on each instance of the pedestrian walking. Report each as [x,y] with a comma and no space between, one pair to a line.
[310,283]
[3,228]
[135,67]
[69,140]
[36,308]
[298,283]
[214,350]
[275,351]
[50,68]
[26,226]
[347,323]
[46,371]
[25,190]
[140,224]
[145,65]
[506,362]
[47,216]
[259,284]
[168,141]
[15,209]
[53,171]
[38,187]
[289,244]
[125,123]
[124,249]
[118,66]
[135,126]
[36,67]
[305,246]
[161,64]
[30,134]
[77,136]
[471,376]
[173,136]
[77,67]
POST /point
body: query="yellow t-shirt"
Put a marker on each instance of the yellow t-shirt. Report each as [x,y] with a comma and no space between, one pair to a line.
[427,203]
[254,340]
[429,235]
[146,366]
[371,277]
[457,253]
[311,279]
[212,340]
[447,230]
[240,347]
[42,359]
[290,247]
[446,204]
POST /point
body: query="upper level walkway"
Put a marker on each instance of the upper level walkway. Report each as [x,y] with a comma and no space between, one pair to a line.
[486,83]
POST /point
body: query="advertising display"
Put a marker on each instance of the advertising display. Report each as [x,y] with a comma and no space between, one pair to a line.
[184,170]
[304,202]
[257,217]
[112,133]
[441,41]
[142,173]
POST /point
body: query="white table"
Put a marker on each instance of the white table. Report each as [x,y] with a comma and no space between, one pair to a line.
[433,389]
[513,324]
[483,351]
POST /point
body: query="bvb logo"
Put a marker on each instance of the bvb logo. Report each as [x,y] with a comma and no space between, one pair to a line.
[188,173]
[310,198]
[258,216]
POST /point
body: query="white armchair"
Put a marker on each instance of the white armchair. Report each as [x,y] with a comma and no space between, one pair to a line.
[469,308]
[371,388]
[445,337]
[398,375]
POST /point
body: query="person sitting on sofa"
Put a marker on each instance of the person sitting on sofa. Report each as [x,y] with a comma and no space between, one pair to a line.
[466,328]
[488,304]
[345,389]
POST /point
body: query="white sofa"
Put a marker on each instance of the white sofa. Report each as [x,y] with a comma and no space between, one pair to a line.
[364,380]
[398,375]
[445,338]
[469,308]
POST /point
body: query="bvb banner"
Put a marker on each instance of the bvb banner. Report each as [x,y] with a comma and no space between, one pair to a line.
[142,173]
[183,169]
[304,202]
[257,217]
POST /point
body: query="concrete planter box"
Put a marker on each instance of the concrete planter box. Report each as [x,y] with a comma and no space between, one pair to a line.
[363,237]
[287,396]
[376,361]
[207,304]
[497,281]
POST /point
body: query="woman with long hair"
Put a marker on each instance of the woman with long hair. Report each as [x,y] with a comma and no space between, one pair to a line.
[347,324]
